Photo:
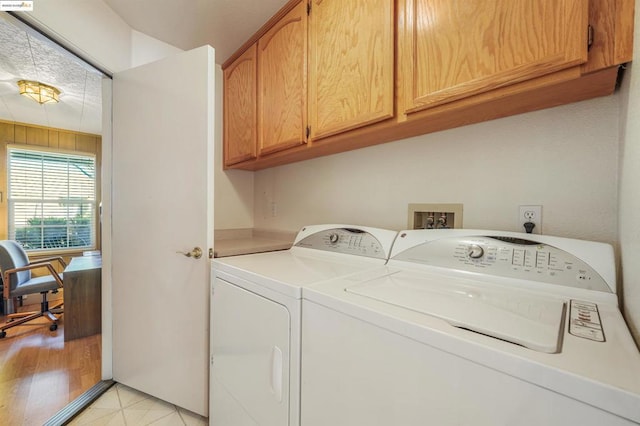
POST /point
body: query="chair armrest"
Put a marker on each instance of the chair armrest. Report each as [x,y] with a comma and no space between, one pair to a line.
[50,259]
[36,265]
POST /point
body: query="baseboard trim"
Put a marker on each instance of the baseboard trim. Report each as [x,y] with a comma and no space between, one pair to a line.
[76,406]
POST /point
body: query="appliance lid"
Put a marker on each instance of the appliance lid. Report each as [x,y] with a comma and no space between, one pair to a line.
[319,253]
[519,317]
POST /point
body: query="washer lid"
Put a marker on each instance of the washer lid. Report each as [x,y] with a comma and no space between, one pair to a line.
[515,316]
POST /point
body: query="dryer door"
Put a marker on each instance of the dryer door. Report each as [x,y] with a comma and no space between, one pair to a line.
[250,353]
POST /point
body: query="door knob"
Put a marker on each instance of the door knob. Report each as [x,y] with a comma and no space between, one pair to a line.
[196,253]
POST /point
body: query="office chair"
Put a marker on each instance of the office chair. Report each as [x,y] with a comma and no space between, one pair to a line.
[16,273]
[3,305]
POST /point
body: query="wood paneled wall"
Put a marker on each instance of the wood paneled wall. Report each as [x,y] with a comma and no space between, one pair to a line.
[12,133]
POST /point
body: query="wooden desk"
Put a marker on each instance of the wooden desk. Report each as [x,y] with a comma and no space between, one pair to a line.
[82,297]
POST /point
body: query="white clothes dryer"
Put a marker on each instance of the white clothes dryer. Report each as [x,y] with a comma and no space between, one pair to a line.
[256,318]
[473,328]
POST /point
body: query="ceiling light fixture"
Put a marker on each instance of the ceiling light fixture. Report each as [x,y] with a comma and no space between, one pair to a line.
[39,92]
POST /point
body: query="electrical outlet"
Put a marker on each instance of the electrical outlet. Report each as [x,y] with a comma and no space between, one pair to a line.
[530,214]
[270,208]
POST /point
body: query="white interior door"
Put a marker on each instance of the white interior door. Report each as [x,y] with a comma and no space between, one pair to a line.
[162,203]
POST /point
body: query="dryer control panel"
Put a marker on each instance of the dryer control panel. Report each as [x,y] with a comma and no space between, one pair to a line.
[507,257]
[347,240]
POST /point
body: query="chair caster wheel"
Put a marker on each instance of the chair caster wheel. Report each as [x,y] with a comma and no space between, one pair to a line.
[3,334]
[53,327]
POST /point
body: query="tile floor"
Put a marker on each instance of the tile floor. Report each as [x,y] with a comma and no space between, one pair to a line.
[123,406]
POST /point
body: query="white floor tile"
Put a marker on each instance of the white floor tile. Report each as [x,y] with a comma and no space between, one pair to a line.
[109,399]
[123,406]
[129,396]
[147,411]
[95,416]
[153,404]
[192,419]
[172,419]
[117,420]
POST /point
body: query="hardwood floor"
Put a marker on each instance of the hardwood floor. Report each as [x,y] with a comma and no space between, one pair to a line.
[40,373]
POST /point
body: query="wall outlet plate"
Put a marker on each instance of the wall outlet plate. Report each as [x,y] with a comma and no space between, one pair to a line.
[530,214]
[434,216]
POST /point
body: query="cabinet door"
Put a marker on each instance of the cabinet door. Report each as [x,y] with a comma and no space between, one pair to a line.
[240,109]
[282,83]
[351,64]
[451,49]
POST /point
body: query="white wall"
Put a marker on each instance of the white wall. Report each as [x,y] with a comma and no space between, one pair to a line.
[630,188]
[93,30]
[90,27]
[145,49]
[565,159]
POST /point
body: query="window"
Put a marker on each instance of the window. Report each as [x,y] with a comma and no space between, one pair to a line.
[52,199]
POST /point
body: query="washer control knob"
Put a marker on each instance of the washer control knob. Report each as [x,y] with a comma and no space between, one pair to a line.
[333,238]
[475,251]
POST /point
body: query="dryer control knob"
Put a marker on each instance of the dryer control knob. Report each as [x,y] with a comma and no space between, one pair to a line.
[475,251]
[333,238]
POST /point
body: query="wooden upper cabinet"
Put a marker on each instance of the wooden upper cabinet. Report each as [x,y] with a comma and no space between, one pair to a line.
[240,108]
[282,83]
[353,73]
[452,49]
[612,34]
[351,64]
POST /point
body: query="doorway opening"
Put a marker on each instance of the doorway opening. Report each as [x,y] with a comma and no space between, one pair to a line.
[43,370]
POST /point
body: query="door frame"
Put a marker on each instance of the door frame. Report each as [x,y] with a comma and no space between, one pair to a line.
[107,168]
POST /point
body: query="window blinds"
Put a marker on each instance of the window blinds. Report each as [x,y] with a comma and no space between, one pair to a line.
[52,199]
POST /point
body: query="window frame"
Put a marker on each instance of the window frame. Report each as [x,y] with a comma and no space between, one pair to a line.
[95,203]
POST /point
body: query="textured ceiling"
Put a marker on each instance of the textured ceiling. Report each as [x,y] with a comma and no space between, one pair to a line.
[187,24]
[28,56]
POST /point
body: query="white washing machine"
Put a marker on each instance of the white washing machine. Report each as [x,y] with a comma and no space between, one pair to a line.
[471,328]
[256,318]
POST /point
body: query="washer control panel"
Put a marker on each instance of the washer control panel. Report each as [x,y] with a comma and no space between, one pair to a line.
[507,257]
[345,241]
